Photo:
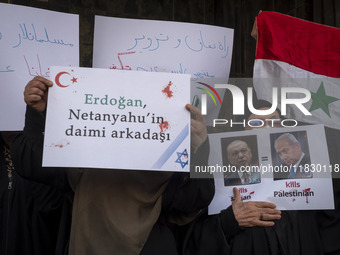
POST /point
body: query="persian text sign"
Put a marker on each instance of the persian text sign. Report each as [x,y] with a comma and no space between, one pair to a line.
[31,40]
[117,119]
[203,51]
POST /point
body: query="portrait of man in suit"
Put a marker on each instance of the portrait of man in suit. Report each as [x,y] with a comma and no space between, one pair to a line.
[294,159]
[240,156]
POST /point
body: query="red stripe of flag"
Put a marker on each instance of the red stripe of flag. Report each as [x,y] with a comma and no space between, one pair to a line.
[304,44]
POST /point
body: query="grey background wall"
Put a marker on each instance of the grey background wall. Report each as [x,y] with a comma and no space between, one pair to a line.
[237,14]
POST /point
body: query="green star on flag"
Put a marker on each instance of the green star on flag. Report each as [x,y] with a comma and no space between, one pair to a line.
[321,100]
[315,67]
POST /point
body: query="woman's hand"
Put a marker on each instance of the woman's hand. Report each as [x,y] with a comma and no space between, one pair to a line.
[253,213]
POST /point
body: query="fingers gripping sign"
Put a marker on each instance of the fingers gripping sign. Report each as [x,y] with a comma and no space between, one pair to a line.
[36,92]
[250,214]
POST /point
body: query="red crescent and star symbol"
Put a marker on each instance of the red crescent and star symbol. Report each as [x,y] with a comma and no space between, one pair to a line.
[58,76]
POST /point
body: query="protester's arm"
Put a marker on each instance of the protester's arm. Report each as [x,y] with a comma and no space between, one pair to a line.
[205,235]
[243,214]
[27,148]
[198,130]
[188,196]
[185,195]
[210,233]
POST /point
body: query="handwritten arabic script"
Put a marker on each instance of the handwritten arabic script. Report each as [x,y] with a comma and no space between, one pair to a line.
[122,67]
[31,40]
[196,43]
[203,51]
[33,70]
[31,34]
[6,69]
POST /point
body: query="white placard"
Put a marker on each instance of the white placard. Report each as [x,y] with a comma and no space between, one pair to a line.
[100,118]
[204,51]
[31,40]
[313,191]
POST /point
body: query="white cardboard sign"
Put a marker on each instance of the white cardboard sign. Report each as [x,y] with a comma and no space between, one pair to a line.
[273,184]
[100,118]
[31,40]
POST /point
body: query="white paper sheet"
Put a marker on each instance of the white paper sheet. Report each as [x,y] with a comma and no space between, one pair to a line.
[288,194]
[100,118]
[31,40]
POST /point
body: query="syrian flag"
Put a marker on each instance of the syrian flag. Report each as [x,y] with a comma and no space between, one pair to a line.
[296,53]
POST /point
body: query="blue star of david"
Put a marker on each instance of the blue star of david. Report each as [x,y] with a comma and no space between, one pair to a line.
[185,157]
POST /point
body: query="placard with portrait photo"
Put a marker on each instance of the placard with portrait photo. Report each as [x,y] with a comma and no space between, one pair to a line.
[292,164]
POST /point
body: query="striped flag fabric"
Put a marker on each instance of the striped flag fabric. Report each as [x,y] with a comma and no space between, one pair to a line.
[292,52]
[296,53]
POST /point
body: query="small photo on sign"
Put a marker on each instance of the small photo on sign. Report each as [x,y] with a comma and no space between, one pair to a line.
[290,153]
[240,155]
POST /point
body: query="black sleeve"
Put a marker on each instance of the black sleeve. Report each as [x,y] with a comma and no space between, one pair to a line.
[189,195]
[209,234]
[229,223]
[27,149]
